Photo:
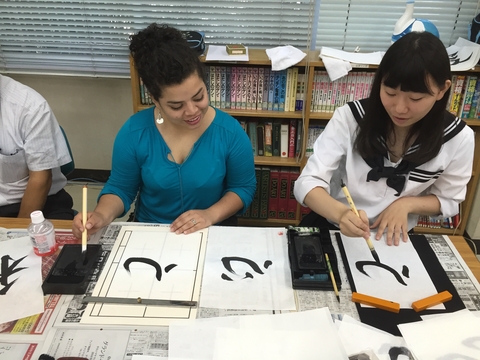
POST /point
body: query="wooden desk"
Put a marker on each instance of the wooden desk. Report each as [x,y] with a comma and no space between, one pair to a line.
[459,242]
[17,223]
[467,254]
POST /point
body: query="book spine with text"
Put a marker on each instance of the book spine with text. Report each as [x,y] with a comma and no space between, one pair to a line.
[213,72]
[244,86]
[228,89]
[223,86]
[284,185]
[292,202]
[274,193]
[268,138]
[293,89]
[264,192]
[292,137]
[261,85]
[284,139]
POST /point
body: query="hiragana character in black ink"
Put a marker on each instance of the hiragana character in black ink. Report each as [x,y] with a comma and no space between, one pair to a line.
[148,261]
[227,264]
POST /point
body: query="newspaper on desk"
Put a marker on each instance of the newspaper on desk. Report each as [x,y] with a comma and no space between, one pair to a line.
[155,342]
[451,261]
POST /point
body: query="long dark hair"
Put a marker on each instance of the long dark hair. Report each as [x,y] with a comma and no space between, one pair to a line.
[409,63]
[163,57]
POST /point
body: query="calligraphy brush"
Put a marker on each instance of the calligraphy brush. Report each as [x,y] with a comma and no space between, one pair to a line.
[354,209]
[84,233]
[332,277]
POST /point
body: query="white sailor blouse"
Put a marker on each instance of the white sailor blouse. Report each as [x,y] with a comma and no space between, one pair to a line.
[375,183]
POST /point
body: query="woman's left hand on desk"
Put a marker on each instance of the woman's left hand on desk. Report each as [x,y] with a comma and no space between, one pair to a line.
[190,222]
[395,220]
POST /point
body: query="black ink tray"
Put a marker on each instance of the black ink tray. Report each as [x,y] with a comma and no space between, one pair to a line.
[306,252]
[69,274]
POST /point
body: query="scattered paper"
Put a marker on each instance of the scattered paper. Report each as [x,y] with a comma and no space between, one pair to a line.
[247,268]
[448,336]
[20,280]
[299,335]
[464,55]
[373,58]
[357,337]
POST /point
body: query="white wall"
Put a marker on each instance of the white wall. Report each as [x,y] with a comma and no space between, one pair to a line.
[91,111]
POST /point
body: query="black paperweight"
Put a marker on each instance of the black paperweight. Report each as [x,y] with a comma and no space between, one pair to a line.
[71,272]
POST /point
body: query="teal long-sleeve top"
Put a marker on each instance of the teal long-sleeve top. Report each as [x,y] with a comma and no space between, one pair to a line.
[220,161]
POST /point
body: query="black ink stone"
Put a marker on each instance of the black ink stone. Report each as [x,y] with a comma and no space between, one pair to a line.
[69,274]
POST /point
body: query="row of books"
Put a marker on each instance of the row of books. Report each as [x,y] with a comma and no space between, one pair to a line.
[251,88]
[438,223]
[313,133]
[255,88]
[328,95]
[274,198]
[274,137]
[464,97]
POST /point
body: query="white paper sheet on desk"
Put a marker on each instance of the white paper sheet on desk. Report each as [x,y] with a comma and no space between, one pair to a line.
[357,337]
[247,268]
[298,335]
[21,280]
[381,283]
[93,344]
[180,259]
[447,336]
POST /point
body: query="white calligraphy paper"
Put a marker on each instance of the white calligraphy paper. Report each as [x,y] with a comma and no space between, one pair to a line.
[357,337]
[247,268]
[20,280]
[447,336]
[298,335]
[149,263]
[404,282]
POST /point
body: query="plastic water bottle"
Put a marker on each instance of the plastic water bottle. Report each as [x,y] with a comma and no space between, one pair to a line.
[42,234]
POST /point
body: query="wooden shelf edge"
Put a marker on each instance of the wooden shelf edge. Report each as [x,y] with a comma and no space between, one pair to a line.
[267,222]
[276,161]
[427,230]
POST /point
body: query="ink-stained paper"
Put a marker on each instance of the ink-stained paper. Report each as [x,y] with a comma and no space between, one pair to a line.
[357,337]
[247,268]
[446,336]
[297,335]
[400,276]
[21,292]
[149,263]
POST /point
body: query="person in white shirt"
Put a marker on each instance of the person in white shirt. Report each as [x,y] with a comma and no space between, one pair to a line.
[32,150]
[400,152]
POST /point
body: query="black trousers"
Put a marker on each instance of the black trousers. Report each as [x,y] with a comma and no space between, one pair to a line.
[58,206]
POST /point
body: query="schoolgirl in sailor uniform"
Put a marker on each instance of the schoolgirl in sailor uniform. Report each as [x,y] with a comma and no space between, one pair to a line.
[400,153]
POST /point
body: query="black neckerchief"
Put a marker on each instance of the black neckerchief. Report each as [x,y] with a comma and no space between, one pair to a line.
[397,176]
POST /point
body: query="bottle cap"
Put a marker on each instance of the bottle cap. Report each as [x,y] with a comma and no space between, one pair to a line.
[37,217]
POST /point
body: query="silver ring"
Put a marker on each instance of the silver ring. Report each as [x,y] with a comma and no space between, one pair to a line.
[193,221]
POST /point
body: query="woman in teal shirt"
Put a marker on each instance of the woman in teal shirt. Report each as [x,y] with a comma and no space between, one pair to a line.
[190,164]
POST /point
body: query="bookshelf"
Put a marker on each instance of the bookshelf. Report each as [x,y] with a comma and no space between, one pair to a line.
[308,66]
